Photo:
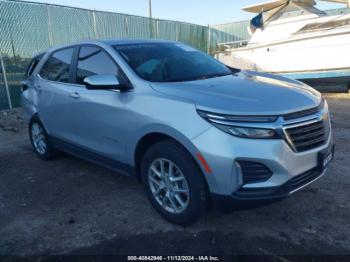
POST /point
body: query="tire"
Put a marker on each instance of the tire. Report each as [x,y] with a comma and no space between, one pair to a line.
[188,176]
[40,140]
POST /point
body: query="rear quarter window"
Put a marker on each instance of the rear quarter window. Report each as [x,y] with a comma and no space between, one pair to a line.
[58,66]
[32,65]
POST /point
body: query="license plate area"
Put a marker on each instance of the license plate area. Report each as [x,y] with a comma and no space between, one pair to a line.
[325,157]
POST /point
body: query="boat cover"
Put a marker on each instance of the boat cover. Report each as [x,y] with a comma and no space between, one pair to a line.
[267,6]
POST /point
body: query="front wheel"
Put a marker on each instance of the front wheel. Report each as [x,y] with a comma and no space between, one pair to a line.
[173,182]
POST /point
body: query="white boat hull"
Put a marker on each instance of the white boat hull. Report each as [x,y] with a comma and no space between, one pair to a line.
[324,52]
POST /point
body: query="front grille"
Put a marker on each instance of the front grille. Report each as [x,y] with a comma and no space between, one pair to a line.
[309,136]
[253,172]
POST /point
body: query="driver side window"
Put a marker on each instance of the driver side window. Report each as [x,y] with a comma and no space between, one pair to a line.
[93,60]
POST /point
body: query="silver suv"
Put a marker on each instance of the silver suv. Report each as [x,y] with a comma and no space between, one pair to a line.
[191,129]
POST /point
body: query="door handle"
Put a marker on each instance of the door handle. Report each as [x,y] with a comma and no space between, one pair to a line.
[74,95]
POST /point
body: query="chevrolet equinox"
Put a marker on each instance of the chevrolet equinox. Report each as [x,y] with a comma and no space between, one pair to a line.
[191,129]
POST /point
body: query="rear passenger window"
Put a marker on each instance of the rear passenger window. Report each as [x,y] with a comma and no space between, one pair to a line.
[57,67]
[94,61]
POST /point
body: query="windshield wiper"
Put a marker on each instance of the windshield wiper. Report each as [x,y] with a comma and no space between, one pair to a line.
[181,79]
[201,77]
[213,76]
[234,70]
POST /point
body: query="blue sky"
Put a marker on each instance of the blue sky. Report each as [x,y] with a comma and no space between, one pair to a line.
[193,11]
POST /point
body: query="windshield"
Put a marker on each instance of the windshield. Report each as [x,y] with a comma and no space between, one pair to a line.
[324,26]
[170,62]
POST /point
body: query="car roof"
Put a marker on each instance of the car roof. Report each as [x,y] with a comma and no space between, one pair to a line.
[134,41]
[111,42]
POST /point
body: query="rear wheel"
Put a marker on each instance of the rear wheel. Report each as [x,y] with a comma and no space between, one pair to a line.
[40,141]
[173,182]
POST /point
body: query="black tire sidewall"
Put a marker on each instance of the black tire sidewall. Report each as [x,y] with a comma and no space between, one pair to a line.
[198,194]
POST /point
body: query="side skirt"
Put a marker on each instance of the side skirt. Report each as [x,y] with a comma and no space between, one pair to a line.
[92,157]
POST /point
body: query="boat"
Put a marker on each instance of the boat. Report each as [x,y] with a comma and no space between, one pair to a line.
[295,39]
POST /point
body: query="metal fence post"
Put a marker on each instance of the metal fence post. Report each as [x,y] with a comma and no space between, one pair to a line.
[177,32]
[126,26]
[5,81]
[49,26]
[94,24]
[209,40]
[151,27]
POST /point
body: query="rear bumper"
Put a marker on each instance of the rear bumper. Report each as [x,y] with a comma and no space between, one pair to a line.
[268,194]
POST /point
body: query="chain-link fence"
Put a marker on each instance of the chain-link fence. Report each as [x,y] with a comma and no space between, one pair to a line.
[231,32]
[29,28]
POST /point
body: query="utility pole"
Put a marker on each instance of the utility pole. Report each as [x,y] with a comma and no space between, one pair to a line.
[150,8]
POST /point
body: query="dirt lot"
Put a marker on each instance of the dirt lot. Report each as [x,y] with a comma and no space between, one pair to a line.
[71,206]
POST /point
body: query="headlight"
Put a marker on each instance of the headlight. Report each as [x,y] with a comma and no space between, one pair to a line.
[229,124]
[252,132]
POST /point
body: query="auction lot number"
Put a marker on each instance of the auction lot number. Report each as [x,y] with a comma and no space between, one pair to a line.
[173,258]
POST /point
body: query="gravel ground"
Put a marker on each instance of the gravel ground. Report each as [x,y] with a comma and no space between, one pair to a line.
[68,206]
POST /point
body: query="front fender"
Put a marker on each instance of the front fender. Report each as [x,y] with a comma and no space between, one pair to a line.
[135,138]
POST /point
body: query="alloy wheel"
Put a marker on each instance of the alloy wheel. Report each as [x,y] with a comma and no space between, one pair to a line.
[168,185]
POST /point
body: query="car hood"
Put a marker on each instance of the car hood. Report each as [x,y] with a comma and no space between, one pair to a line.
[245,93]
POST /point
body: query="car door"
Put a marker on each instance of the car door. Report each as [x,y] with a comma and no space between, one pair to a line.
[95,118]
[53,86]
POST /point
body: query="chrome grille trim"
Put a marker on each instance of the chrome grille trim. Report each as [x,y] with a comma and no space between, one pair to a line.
[307,136]
[227,119]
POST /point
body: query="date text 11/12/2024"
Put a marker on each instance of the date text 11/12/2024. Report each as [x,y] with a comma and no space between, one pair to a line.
[173,258]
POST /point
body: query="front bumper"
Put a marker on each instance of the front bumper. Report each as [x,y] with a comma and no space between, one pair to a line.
[288,188]
[291,170]
[253,197]
[252,169]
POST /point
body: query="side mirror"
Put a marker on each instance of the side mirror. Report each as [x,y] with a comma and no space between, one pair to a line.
[105,82]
